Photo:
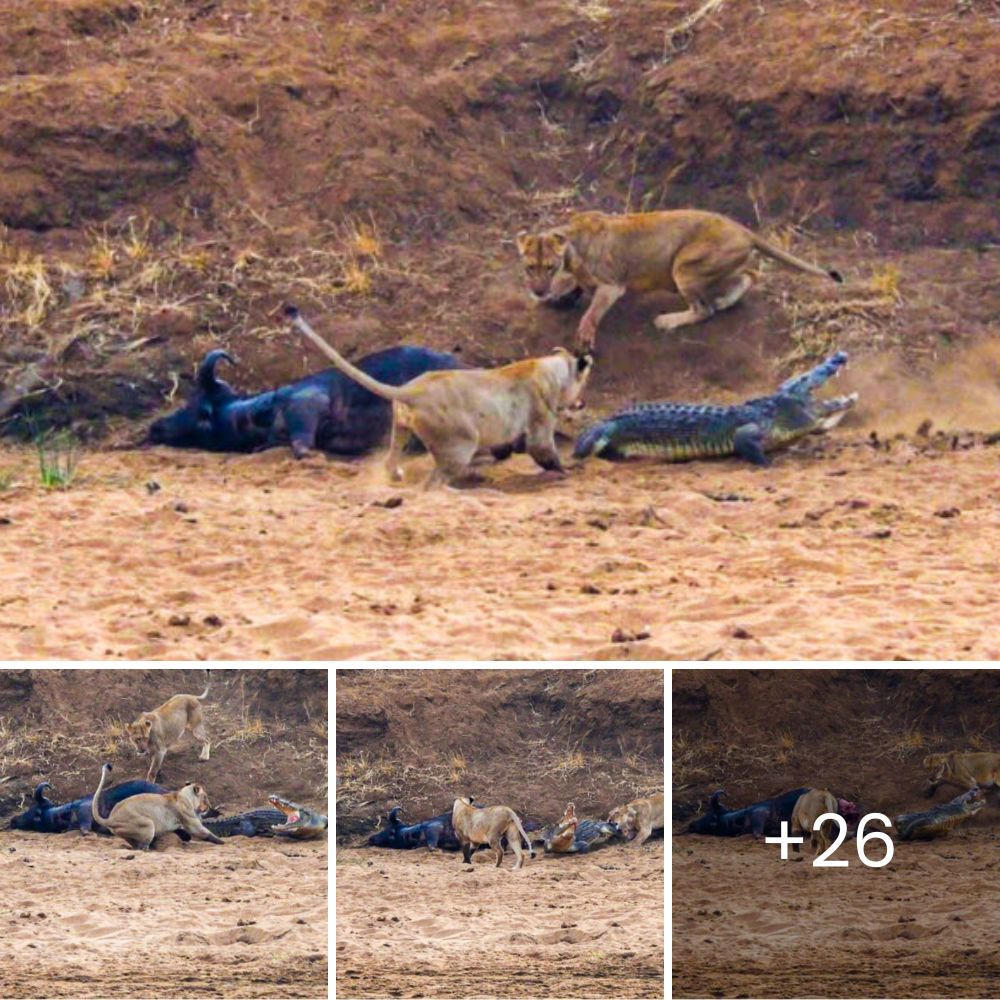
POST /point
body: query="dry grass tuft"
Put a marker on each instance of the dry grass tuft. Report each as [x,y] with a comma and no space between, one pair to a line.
[115,738]
[573,761]
[108,298]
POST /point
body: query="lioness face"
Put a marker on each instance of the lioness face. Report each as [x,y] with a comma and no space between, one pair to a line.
[625,819]
[580,367]
[138,733]
[200,798]
[546,261]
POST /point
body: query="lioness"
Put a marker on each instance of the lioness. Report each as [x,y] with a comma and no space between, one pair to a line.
[459,414]
[701,255]
[140,819]
[636,820]
[487,826]
[964,770]
[808,809]
[155,732]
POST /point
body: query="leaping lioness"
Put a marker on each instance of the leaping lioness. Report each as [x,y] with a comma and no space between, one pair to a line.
[701,255]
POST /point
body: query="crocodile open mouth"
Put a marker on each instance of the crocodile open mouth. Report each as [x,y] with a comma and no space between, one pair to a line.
[292,814]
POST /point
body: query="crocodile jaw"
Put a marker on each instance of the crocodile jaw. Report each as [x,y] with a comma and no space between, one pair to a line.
[843,404]
[299,821]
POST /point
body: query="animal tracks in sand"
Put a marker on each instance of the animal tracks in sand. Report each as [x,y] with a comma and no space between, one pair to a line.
[554,920]
[279,553]
[116,922]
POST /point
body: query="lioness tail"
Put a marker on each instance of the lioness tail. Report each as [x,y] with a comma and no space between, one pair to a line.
[531,849]
[389,392]
[776,253]
[208,684]
[95,811]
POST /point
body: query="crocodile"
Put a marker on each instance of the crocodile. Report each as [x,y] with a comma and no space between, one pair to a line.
[591,833]
[288,820]
[678,432]
[938,821]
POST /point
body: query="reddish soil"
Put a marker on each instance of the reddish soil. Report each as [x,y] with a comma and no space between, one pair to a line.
[224,920]
[748,924]
[181,170]
[408,923]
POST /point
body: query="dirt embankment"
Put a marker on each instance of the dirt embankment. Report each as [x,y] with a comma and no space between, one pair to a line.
[170,174]
[531,739]
[749,924]
[861,733]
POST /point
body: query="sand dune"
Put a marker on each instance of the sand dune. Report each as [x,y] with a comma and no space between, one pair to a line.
[88,917]
[416,924]
[839,550]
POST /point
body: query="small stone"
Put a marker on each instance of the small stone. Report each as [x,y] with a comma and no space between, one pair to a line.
[947,512]
[179,620]
[181,508]
[152,487]
[740,633]
[589,588]
[212,621]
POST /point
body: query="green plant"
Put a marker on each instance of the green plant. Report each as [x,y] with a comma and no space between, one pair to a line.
[57,458]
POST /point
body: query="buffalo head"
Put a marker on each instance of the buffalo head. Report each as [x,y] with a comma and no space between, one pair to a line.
[194,425]
[711,822]
[35,816]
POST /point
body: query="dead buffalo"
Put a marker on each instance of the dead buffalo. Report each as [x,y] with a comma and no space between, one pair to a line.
[326,411]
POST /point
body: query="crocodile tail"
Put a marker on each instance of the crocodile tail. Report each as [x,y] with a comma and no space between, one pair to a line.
[593,440]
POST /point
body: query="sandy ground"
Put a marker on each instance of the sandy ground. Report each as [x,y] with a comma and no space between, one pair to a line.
[88,917]
[415,924]
[838,550]
[747,924]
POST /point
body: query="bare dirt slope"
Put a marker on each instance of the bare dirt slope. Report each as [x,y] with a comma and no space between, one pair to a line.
[743,919]
[171,173]
[533,739]
[412,924]
[268,730]
[839,550]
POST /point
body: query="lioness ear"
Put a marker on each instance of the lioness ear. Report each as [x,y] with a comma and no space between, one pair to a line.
[523,241]
[584,361]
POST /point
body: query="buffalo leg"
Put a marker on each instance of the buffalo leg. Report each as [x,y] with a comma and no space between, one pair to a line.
[301,421]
